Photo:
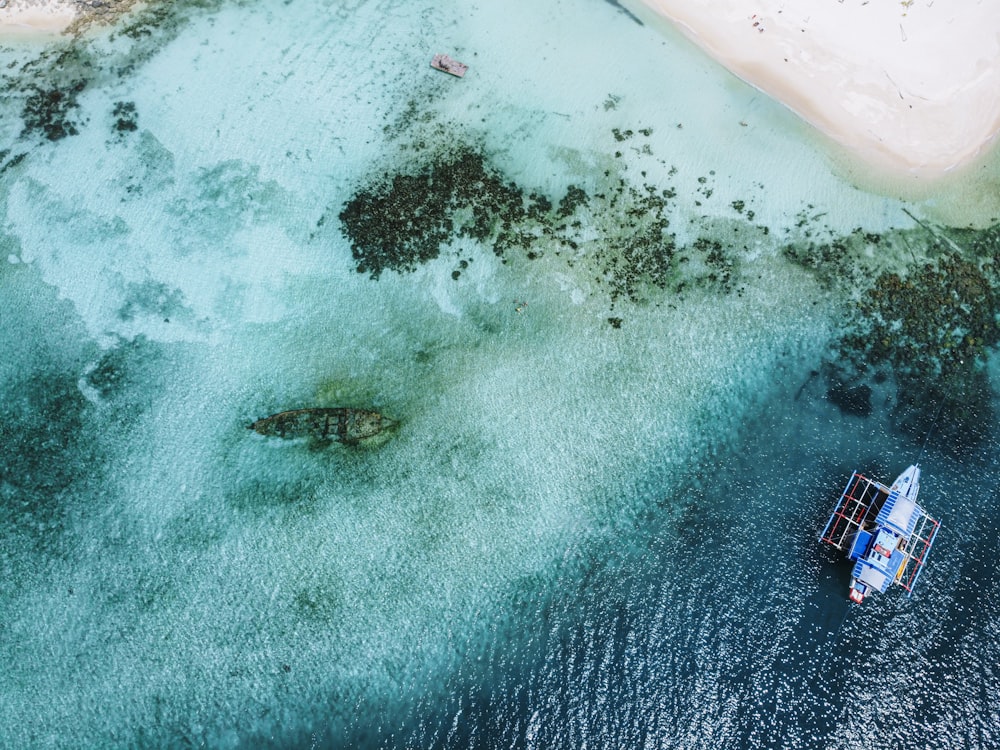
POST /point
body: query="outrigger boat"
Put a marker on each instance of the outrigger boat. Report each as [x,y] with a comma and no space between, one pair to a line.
[884,531]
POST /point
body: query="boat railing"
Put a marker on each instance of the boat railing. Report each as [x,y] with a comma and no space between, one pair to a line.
[853,509]
[916,551]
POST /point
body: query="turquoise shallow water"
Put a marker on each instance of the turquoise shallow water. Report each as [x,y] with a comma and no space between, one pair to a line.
[636,333]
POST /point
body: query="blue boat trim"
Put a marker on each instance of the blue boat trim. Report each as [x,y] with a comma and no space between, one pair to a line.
[884,530]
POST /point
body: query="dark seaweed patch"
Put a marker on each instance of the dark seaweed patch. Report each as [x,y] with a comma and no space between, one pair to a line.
[930,331]
[921,316]
[9,163]
[49,456]
[45,453]
[274,496]
[126,119]
[836,261]
[126,379]
[127,375]
[414,113]
[937,321]
[621,232]
[40,419]
[644,253]
[51,111]
[47,87]
[720,262]
[405,221]
[574,198]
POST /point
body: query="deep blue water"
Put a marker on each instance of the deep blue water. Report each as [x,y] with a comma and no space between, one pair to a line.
[719,621]
[637,333]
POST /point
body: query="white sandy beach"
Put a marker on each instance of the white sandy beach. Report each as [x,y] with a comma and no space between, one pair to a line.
[35,17]
[908,86]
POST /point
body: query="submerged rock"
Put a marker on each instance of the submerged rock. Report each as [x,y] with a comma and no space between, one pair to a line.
[343,424]
[852,400]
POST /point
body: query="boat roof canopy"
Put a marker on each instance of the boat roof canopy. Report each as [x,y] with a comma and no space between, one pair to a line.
[872,577]
[902,514]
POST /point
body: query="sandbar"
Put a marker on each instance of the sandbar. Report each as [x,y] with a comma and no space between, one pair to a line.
[909,87]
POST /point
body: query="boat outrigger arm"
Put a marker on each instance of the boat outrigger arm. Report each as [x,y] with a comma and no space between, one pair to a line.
[883,530]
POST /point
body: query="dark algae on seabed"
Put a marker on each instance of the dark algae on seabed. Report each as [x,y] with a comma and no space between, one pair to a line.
[343,424]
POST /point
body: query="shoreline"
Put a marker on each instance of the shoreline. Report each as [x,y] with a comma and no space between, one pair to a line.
[908,89]
[26,19]
[44,20]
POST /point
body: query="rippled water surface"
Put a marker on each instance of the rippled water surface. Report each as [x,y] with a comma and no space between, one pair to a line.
[636,334]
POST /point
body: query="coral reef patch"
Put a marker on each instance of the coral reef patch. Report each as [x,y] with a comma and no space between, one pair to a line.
[617,233]
[920,321]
